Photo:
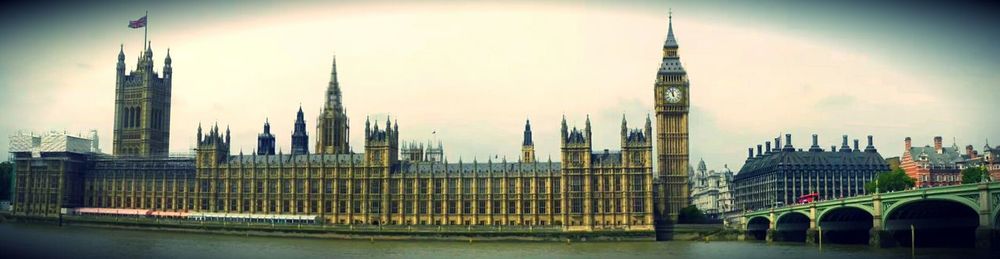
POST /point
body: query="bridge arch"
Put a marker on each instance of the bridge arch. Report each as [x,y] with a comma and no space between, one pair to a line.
[822,213]
[846,224]
[974,205]
[940,221]
[792,226]
[757,227]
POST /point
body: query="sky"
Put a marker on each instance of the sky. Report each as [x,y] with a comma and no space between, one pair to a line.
[473,72]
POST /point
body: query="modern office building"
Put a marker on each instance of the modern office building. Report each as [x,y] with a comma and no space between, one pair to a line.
[778,176]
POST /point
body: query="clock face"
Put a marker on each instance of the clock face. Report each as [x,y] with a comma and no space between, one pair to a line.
[672,95]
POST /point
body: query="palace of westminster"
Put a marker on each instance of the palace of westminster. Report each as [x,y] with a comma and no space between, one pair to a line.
[387,184]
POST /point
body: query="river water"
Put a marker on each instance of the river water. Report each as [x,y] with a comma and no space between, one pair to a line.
[23,240]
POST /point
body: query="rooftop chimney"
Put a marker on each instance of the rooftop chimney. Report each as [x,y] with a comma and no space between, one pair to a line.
[767,147]
[844,147]
[937,145]
[871,145]
[758,151]
[788,143]
[749,153]
[833,148]
[777,144]
[907,144]
[970,152]
[856,149]
[815,145]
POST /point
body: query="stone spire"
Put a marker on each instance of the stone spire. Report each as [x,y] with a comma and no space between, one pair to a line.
[300,139]
[121,54]
[265,141]
[528,145]
[333,95]
[527,134]
[671,63]
[671,41]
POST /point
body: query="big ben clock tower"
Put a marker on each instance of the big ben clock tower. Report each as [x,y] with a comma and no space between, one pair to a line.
[672,103]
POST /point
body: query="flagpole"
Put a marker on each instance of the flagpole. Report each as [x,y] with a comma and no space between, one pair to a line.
[145,32]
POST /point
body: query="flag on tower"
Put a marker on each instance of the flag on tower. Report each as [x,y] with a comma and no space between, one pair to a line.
[141,22]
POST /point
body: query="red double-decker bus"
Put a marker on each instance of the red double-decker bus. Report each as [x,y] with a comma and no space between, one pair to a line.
[808,198]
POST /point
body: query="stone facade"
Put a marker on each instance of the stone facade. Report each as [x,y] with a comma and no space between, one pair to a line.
[142,108]
[585,190]
[710,191]
[671,98]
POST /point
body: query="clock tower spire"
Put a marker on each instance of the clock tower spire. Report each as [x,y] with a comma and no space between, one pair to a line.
[671,104]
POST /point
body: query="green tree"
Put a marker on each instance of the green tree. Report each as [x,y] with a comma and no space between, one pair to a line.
[972,175]
[895,180]
[6,174]
[690,215]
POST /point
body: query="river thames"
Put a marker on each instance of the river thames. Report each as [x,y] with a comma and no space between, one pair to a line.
[22,240]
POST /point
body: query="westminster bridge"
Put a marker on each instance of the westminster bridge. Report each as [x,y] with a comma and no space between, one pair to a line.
[959,215]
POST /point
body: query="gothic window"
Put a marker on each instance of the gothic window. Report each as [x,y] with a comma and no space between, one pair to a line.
[637,183]
[495,186]
[408,186]
[576,205]
[375,207]
[467,186]
[575,183]
[374,187]
[638,204]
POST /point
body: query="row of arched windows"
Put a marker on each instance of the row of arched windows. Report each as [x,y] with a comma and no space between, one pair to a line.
[131,117]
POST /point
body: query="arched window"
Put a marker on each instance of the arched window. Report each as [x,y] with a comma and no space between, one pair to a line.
[138,116]
[127,117]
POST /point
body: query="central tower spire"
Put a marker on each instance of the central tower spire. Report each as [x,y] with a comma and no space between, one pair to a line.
[332,125]
[333,95]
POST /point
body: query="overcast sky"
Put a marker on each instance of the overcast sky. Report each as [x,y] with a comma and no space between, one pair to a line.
[473,72]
